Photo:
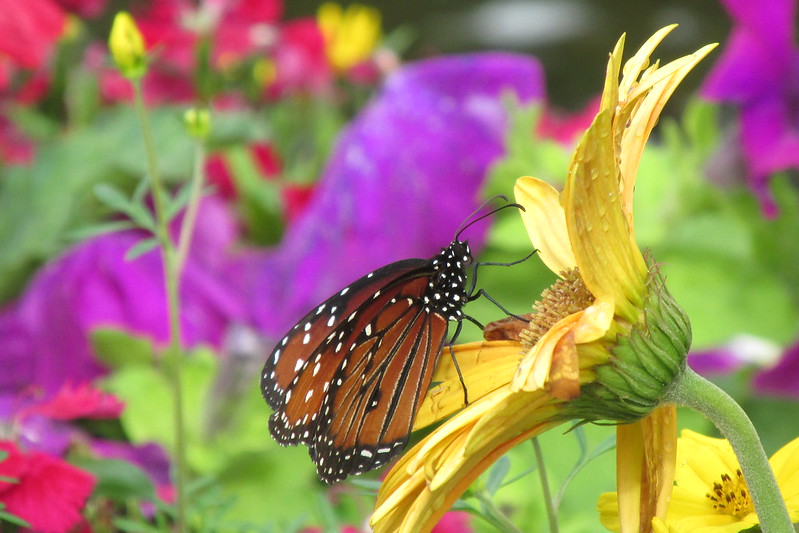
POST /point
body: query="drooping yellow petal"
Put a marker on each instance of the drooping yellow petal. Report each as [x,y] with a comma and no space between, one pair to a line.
[485,366]
[430,477]
[646,454]
[545,222]
[533,371]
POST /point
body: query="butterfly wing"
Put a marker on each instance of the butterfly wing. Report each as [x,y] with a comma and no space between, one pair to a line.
[348,378]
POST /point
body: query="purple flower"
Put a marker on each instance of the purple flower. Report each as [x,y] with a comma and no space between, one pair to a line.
[150,457]
[44,336]
[402,178]
[739,352]
[759,73]
[783,378]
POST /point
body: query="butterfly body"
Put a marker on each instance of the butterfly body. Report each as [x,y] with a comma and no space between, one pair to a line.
[348,378]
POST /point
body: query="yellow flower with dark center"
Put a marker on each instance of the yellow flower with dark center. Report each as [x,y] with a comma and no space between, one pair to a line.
[605,340]
[710,494]
[351,34]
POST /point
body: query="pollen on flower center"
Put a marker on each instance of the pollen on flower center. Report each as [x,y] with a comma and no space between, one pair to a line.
[566,296]
[731,496]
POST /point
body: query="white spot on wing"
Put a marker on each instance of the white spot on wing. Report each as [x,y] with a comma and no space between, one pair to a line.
[307,338]
[298,365]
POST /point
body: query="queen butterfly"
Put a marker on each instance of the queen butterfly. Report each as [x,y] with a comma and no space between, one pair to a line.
[348,378]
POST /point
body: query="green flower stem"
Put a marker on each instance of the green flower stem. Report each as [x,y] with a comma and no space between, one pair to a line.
[494,515]
[189,219]
[692,390]
[542,474]
[171,281]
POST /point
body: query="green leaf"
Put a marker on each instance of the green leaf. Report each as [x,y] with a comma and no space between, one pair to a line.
[8,517]
[141,248]
[497,475]
[116,200]
[584,459]
[178,202]
[118,480]
[133,526]
[86,232]
[118,348]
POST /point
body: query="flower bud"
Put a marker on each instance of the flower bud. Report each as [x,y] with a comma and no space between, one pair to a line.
[127,46]
[197,123]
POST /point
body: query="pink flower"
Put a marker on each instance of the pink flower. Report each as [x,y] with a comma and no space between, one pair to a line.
[49,493]
[300,60]
[29,30]
[74,402]
[564,128]
[453,522]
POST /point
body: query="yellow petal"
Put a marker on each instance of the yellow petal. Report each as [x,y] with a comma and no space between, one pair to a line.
[646,458]
[640,61]
[591,324]
[658,87]
[596,321]
[545,222]
[485,366]
[610,263]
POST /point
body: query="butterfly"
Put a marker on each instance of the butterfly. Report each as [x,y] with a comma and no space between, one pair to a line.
[349,377]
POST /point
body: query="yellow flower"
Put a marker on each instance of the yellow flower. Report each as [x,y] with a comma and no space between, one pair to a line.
[604,342]
[127,46]
[710,494]
[351,34]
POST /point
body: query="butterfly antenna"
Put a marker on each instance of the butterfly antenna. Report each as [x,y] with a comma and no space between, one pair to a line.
[468,223]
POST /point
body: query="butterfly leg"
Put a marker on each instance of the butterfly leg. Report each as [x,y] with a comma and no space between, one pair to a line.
[455,361]
[488,297]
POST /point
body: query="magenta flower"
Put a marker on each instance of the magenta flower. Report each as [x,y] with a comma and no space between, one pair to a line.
[758,73]
[783,378]
[402,177]
[45,334]
[49,493]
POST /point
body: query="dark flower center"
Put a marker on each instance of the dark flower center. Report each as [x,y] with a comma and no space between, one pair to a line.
[731,496]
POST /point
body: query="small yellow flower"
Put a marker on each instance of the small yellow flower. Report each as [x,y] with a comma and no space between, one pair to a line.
[351,34]
[127,46]
[710,494]
[603,344]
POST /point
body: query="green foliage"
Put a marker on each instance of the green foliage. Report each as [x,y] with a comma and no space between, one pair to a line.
[117,480]
[237,455]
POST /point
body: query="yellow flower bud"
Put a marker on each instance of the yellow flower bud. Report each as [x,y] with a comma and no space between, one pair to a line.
[197,122]
[127,46]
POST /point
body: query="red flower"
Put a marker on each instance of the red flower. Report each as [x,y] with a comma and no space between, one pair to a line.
[565,128]
[29,30]
[84,8]
[83,401]
[49,493]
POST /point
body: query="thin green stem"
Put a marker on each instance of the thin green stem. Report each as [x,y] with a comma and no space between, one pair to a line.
[171,269]
[694,391]
[499,520]
[190,217]
[546,492]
